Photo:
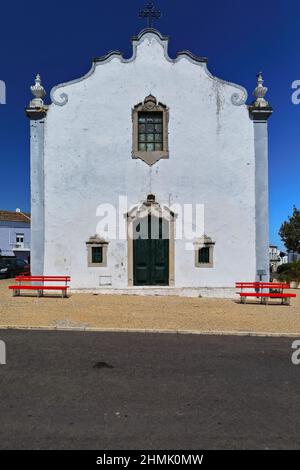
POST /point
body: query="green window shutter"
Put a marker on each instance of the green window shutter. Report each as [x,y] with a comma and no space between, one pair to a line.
[97,254]
[204,255]
[150,131]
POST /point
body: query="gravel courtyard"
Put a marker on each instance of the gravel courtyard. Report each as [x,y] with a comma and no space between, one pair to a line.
[126,312]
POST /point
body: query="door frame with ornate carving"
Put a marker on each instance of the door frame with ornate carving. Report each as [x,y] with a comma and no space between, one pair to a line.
[140,211]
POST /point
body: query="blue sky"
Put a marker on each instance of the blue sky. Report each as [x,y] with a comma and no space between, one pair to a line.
[239,37]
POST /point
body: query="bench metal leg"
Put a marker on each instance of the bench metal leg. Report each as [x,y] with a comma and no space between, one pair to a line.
[64,294]
[40,293]
[264,300]
[16,293]
[243,300]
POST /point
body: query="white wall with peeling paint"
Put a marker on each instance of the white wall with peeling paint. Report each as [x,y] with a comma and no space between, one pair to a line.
[87,162]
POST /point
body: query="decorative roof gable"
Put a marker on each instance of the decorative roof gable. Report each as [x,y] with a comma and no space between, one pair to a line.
[60,97]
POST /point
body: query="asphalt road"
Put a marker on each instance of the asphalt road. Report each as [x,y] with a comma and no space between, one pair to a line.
[84,390]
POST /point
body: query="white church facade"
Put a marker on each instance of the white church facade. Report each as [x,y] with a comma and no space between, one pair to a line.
[150,175]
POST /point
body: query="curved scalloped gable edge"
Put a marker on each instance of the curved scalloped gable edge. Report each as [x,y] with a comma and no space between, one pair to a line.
[238,98]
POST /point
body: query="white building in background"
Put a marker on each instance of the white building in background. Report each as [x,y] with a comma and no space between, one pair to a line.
[160,133]
[14,235]
[277,258]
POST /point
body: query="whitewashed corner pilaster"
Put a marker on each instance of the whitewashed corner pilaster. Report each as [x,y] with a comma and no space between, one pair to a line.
[37,112]
[260,111]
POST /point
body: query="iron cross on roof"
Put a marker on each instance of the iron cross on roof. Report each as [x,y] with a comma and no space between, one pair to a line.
[150,13]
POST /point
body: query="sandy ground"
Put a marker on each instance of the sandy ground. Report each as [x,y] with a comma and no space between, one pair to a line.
[138,312]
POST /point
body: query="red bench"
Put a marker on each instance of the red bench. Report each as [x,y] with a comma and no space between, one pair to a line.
[260,291]
[39,284]
[25,273]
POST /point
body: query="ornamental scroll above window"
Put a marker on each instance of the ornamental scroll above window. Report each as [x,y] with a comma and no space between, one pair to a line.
[150,131]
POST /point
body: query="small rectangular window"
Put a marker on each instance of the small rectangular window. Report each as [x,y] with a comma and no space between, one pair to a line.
[204,255]
[150,131]
[97,254]
[19,237]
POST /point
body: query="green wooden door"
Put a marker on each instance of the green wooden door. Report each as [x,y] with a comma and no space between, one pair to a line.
[151,252]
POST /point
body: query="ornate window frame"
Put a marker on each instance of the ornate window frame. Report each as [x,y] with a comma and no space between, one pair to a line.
[96,242]
[149,105]
[204,242]
[140,211]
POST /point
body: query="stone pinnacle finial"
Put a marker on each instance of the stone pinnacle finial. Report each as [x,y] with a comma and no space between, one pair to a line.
[38,92]
[260,92]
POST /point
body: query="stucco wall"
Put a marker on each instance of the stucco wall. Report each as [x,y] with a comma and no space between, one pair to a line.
[88,162]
